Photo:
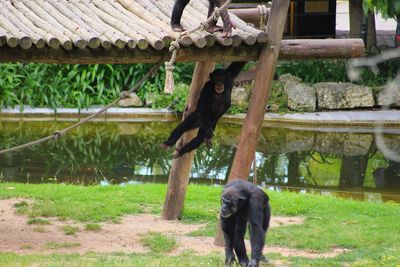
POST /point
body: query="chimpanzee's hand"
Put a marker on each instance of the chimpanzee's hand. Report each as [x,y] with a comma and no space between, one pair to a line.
[164,146]
[208,142]
[230,259]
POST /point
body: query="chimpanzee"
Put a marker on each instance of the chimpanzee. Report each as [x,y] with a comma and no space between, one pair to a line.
[243,202]
[214,101]
[180,5]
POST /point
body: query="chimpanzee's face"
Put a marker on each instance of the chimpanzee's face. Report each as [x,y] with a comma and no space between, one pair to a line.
[231,203]
[218,78]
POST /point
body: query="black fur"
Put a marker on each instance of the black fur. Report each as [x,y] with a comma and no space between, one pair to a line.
[210,107]
[180,5]
[243,202]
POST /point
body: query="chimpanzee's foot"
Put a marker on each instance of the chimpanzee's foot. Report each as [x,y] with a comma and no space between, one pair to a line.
[253,263]
[230,259]
[164,146]
[177,28]
[177,154]
[244,263]
[208,143]
[264,259]
[227,30]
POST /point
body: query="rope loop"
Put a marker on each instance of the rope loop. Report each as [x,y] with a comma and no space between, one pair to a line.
[169,66]
[57,135]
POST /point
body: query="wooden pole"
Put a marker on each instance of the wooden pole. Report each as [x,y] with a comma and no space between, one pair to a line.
[262,83]
[180,170]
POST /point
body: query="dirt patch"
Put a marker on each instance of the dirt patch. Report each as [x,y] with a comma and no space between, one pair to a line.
[19,237]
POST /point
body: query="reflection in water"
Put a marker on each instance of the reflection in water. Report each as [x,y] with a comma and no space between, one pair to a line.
[340,163]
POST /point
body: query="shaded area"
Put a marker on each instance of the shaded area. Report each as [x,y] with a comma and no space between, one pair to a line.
[347,163]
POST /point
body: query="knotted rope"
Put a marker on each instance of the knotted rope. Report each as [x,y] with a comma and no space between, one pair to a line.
[263,16]
[174,46]
[57,134]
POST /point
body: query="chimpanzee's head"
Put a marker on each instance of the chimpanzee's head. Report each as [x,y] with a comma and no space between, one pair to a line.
[231,202]
[218,77]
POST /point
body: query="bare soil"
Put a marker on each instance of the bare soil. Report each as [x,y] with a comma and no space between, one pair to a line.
[19,237]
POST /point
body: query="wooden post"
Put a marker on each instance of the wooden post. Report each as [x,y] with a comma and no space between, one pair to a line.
[181,167]
[262,83]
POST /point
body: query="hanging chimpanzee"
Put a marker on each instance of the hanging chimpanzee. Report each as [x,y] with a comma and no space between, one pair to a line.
[180,5]
[243,202]
[214,101]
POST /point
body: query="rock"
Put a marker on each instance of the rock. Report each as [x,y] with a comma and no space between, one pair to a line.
[300,97]
[389,96]
[288,77]
[239,96]
[343,144]
[343,96]
[132,101]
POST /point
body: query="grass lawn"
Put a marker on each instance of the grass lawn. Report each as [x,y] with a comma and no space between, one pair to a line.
[371,231]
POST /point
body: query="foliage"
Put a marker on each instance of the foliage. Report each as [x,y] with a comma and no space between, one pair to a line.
[314,71]
[53,85]
[388,8]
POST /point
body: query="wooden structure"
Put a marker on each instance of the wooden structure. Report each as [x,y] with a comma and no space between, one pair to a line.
[126,31]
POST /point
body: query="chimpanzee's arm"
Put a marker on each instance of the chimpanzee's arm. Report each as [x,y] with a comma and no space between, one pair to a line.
[228,228]
[235,68]
[240,248]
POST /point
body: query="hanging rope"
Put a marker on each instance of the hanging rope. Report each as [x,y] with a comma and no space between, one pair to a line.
[174,46]
[57,134]
[263,16]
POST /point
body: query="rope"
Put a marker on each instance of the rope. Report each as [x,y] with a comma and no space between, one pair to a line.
[58,134]
[174,46]
[263,16]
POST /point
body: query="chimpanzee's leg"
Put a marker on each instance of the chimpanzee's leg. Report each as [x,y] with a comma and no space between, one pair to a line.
[192,144]
[240,248]
[227,22]
[191,122]
[177,12]
[228,228]
[257,231]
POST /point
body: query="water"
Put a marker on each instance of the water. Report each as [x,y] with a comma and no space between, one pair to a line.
[343,162]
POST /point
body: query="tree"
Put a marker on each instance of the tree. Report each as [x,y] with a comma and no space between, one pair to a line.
[388,8]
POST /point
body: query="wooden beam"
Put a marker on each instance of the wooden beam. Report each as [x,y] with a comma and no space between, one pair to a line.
[249,15]
[181,167]
[291,49]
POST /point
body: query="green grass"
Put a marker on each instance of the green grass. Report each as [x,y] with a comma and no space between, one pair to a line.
[38,221]
[55,245]
[369,230]
[95,227]
[159,243]
[70,230]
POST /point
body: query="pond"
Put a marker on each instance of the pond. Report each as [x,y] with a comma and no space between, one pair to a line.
[337,161]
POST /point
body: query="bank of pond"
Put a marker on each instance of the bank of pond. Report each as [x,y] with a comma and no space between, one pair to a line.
[337,161]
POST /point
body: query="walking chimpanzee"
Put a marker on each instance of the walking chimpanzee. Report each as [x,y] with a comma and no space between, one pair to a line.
[243,202]
[180,5]
[214,101]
